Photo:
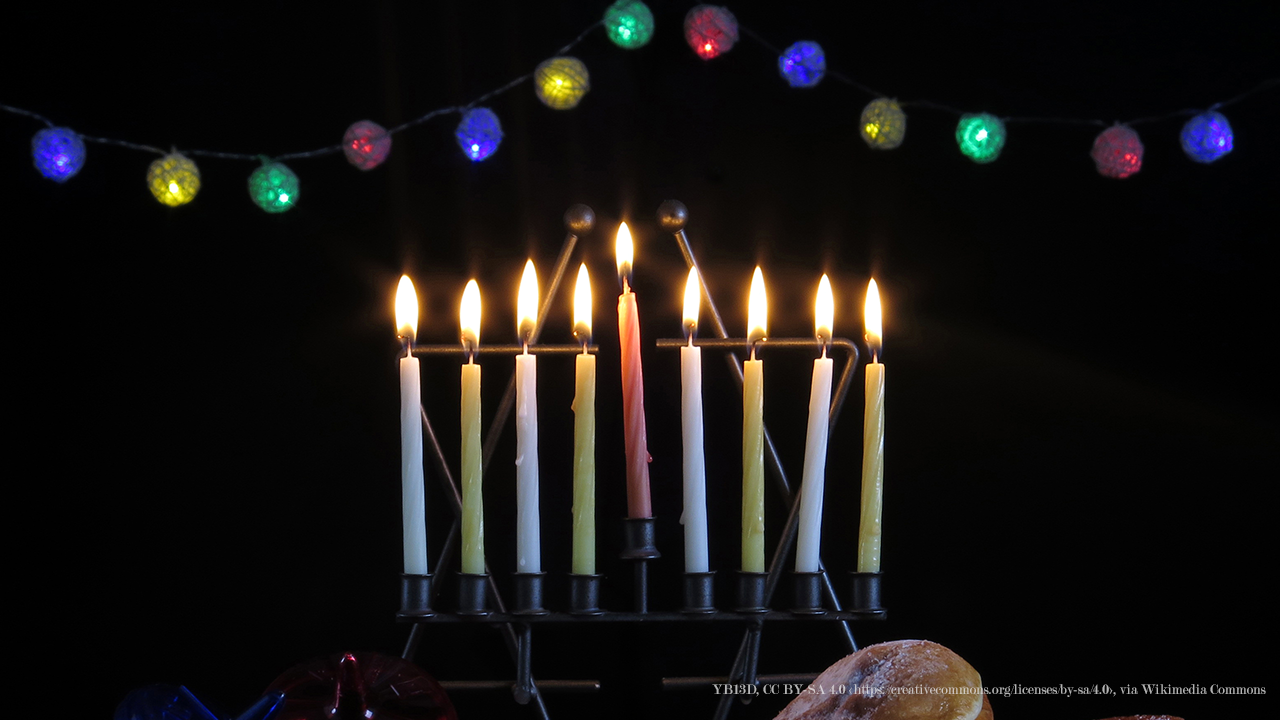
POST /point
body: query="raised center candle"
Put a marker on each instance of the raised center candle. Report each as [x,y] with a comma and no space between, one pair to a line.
[584,433]
[695,471]
[813,481]
[753,432]
[872,441]
[637,444]
[528,542]
[472,465]
[412,484]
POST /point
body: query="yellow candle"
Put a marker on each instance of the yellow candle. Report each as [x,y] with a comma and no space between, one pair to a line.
[584,434]
[753,433]
[872,442]
[472,486]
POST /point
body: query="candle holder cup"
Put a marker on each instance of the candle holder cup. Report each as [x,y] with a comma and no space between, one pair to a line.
[415,596]
[751,592]
[638,541]
[638,546]
[866,592]
[529,594]
[699,593]
[473,594]
[584,594]
[808,593]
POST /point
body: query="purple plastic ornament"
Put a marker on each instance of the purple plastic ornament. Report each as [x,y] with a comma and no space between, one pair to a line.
[358,686]
[1117,152]
[366,144]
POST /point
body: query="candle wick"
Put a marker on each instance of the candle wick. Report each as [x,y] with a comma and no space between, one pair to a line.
[691,339]
[626,286]
[753,351]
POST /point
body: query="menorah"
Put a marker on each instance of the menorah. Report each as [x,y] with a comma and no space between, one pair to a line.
[478,597]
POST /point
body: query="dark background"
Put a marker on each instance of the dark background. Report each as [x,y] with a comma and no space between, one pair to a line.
[204,486]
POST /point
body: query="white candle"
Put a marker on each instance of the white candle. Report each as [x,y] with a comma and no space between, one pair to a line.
[813,481]
[472,451]
[528,543]
[695,472]
[412,484]
[872,442]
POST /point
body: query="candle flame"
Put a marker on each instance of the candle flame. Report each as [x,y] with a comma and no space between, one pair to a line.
[692,302]
[625,251]
[582,306]
[873,324]
[527,303]
[406,309]
[757,309]
[469,316]
[824,311]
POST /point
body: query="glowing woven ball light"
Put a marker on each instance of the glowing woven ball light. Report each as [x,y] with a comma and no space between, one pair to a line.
[1117,152]
[629,24]
[1207,137]
[710,30]
[479,133]
[366,144]
[803,64]
[273,187]
[883,124]
[58,153]
[980,137]
[561,82]
[174,179]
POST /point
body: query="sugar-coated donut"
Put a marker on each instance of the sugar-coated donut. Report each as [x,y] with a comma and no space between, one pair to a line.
[900,680]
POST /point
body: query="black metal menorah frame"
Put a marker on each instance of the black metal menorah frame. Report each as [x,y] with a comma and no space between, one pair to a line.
[479,600]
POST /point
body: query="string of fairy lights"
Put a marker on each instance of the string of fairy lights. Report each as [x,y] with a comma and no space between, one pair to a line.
[562,81]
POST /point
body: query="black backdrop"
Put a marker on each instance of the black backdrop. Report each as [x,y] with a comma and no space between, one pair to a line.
[204,487]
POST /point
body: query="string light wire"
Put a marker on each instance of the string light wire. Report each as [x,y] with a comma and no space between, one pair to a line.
[1265,85]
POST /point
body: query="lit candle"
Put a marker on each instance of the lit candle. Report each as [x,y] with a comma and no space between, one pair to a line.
[695,471]
[528,550]
[637,444]
[472,465]
[753,432]
[872,441]
[584,433]
[412,484]
[815,445]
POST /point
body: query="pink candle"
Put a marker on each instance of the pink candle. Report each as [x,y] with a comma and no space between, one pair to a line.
[637,443]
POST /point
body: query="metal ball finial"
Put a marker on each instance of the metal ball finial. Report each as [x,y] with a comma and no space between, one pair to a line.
[672,215]
[579,219]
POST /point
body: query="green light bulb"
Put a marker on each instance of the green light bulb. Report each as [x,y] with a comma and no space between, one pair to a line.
[629,24]
[980,137]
